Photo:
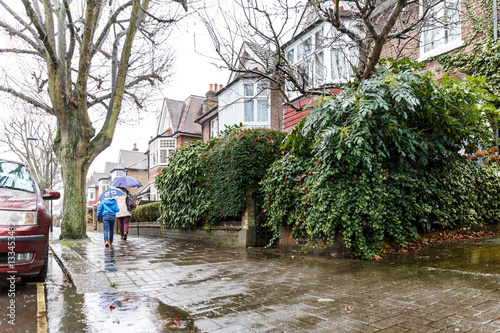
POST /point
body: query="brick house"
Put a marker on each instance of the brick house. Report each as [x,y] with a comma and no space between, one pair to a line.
[446,31]
[247,98]
[130,163]
[176,127]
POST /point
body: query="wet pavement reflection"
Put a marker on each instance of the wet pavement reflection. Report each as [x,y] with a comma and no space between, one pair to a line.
[172,285]
[121,312]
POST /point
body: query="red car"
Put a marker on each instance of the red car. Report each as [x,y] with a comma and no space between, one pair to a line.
[24,223]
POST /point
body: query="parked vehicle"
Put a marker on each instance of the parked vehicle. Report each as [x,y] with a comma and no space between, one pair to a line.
[24,223]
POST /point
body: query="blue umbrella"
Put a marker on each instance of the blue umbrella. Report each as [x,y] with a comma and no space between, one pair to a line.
[125,182]
[110,193]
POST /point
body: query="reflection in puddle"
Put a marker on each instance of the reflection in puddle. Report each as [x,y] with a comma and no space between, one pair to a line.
[122,311]
[481,258]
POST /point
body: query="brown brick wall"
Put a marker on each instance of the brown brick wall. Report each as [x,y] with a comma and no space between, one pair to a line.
[154,172]
[184,140]
[276,108]
[411,46]
[140,175]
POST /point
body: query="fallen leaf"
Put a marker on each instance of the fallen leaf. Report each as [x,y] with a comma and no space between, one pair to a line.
[111,307]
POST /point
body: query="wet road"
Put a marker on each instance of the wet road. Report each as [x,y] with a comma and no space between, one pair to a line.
[209,289]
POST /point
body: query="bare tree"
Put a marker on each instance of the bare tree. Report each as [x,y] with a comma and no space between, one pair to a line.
[82,61]
[365,28]
[20,129]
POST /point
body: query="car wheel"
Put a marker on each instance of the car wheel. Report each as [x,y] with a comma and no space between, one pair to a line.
[42,276]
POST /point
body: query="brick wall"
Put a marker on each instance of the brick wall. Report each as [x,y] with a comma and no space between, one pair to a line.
[276,107]
[155,172]
[410,47]
[140,175]
[184,140]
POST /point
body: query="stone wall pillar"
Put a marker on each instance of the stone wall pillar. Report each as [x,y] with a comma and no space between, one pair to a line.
[247,234]
[94,216]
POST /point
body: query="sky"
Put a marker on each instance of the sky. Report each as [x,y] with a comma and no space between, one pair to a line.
[194,72]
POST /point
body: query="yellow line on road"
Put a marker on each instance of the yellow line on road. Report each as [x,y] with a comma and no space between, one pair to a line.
[41,314]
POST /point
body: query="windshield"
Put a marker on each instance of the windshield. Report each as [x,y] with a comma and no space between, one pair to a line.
[16,176]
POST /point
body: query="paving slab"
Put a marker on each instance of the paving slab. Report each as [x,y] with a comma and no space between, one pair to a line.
[259,290]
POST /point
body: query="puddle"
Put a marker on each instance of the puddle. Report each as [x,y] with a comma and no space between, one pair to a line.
[476,257]
[109,312]
[126,312]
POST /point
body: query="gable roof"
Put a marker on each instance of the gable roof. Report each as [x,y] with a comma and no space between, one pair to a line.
[182,116]
[250,55]
[128,158]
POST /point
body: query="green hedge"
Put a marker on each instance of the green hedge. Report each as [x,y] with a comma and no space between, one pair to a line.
[207,182]
[146,213]
[379,162]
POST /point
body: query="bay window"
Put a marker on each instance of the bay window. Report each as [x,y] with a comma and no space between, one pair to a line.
[160,150]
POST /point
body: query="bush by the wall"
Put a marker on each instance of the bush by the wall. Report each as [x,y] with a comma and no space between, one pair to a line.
[146,213]
[380,161]
[207,182]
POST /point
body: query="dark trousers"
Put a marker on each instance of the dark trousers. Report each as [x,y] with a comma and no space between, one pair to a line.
[108,222]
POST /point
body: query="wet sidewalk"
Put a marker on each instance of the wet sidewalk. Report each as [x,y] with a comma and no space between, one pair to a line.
[454,289]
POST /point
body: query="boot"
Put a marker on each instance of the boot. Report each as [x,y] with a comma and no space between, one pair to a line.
[125,236]
[106,243]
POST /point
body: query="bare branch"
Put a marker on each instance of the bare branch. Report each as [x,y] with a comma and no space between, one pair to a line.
[27,99]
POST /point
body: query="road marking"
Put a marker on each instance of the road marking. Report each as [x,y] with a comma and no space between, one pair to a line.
[41,314]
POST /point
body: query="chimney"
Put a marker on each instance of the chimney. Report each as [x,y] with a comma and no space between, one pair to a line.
[211,100]
[135,147]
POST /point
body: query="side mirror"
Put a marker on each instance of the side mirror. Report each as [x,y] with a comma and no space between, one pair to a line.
[51,195]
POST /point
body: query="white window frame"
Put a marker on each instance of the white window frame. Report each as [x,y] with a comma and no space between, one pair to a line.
[91,193]
[440,35]
[160,151]
[254,103]
[214,127]
[315,67]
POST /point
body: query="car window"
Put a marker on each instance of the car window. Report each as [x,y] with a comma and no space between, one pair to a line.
[16,176]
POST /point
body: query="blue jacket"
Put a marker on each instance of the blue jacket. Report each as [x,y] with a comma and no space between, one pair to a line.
[108,207]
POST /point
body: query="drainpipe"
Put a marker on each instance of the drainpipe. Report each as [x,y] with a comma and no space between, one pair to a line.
[495,20]
[495,36]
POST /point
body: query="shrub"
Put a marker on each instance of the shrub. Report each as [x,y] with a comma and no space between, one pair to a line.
[380,161]
[207,182]
[146,213]
[181,187]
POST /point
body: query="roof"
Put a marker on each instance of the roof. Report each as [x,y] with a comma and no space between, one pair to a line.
[129,159]
[182,115]
[139,165]
[93,179]
[108,167]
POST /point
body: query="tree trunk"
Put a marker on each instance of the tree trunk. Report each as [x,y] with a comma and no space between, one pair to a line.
[74,171]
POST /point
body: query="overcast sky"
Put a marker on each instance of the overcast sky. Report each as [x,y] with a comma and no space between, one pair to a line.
[194,71]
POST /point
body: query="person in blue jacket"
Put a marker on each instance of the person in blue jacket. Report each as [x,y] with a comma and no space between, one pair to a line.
[108,209]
